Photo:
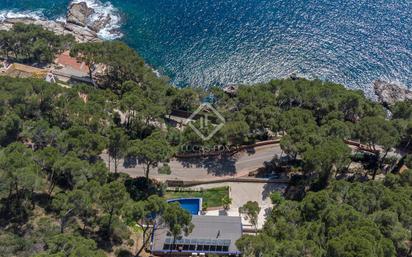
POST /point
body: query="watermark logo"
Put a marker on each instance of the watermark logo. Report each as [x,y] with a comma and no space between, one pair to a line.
[206,121]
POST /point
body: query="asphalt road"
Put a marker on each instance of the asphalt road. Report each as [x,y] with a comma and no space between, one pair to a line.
[211,168]
[207,169]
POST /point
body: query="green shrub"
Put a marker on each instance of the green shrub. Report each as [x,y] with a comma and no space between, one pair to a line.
[165,170]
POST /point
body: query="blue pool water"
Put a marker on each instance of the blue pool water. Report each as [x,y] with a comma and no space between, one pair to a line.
[192,205]
[208,42]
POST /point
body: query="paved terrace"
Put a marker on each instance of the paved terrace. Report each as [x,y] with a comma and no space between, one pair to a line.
[241,193]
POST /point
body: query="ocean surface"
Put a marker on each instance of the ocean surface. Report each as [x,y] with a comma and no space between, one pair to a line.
[217,42]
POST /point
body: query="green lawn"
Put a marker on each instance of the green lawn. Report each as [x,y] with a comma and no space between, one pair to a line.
[213,197]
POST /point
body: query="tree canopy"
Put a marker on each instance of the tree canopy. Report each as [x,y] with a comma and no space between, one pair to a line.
[32,43]
[346,219]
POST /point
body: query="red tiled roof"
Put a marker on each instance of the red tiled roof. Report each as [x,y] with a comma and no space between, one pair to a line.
[66,60]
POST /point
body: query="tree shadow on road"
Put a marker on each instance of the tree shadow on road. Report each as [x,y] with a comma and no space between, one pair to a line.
[250,151]
[220,166]
[129,162]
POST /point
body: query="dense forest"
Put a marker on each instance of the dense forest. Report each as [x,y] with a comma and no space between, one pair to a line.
[58,198]
[56,193]
[346,219]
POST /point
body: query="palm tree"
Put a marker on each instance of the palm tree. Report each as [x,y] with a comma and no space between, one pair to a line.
[226,201]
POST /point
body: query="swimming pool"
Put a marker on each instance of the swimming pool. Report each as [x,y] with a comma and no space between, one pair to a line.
[192,205]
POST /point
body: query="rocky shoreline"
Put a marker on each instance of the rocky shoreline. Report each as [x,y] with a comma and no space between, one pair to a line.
[389,93]
[78,23]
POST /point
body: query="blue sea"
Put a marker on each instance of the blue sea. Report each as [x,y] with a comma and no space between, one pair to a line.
[217,42]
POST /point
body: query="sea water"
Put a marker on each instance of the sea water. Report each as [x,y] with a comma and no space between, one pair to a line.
[218,42]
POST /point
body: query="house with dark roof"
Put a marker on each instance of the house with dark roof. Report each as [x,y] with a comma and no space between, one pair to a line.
[211,235]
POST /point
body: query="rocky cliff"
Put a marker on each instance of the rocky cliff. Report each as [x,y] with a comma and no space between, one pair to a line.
[390,93]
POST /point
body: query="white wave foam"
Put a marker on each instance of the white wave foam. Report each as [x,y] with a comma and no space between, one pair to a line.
[156,72]
[102,10]
[61,19]
[12,14]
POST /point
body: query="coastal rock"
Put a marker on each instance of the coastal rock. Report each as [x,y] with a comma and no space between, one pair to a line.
[294,76]
[100,23]
[78,14]
[231,89]
[77,18]
[390,93]
[86,23]
[78,30]
[81,34]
